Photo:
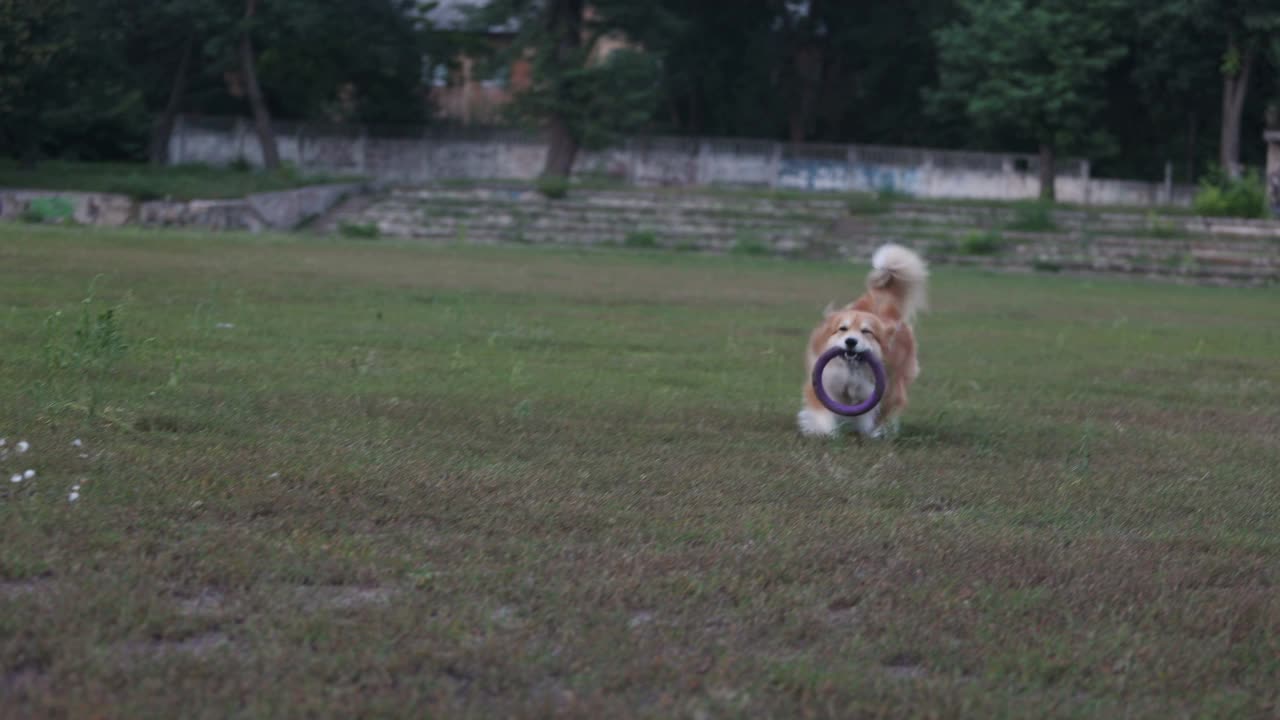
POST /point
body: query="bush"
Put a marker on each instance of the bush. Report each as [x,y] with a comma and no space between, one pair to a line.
[1032,217]
[553,187]
[750,245]
[890,194]
[1164,229]
[981,243]
[365,231]
[877,203]
[867,204]
[1221,196]
[640,240]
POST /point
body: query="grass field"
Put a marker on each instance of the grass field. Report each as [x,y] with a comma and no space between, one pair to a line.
[147,182]
[327,477]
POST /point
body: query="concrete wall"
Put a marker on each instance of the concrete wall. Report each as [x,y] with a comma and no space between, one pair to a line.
[282,210]
[489,154]
[82,207]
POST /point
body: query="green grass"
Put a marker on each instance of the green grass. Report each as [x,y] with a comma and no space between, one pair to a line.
[981,242]
[748,244]
[640,240]
[553,187]
[1032,217]
[358,230]
[871,203]
[145,182]
[335,477]
[1161,229]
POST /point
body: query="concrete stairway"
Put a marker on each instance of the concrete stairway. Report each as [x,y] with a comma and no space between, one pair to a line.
[1202,250]
[688,221]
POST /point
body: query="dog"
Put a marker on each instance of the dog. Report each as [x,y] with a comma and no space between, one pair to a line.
[879,322]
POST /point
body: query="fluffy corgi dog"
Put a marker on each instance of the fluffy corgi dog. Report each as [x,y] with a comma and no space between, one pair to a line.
[878,322]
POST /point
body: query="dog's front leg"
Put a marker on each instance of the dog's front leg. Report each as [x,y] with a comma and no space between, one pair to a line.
[818,422]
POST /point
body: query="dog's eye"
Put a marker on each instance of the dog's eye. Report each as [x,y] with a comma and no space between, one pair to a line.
[867,332]
[843,328]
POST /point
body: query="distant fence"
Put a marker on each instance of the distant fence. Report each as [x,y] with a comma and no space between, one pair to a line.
[430,154]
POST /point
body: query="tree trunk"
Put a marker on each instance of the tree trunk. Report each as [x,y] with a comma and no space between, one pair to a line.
[564,23]
[159,150]
[1047,174]
[807,63]
[261,116]
[1193,127]
[795,126]
[561,150]
[1234,88]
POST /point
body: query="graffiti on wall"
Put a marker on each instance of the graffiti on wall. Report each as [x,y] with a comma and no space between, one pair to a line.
[834,175]
[892,178]
[813,175]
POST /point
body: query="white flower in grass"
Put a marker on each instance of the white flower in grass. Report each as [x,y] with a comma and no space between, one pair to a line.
[3,442]
[76,443]
[74,496]
[23,446]
[16,478]
[28,474]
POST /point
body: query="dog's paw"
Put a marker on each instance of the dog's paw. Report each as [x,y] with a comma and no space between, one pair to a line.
[817,423]
[887,431]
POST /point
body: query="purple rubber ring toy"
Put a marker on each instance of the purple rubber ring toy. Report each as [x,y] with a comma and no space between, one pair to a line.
[840,408]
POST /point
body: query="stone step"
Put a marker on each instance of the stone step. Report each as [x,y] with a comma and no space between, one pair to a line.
[514,222]
[560,236]
[618,214]
[997,216]
[646,222]
[578,233]
[1199,251]
[461,208]
[630,199]
[1077,263]
[1184,243]
[1118,253]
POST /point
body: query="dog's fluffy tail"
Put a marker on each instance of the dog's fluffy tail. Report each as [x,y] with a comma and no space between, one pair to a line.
[902,274]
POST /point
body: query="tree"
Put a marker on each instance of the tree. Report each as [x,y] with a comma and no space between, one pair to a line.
[34,43]
[322,66]
[824,70]
[1230,37]
[725,87]
[164,49]
[1030,67]
[1249,26]
[64,81]
[584,100]
[249,73]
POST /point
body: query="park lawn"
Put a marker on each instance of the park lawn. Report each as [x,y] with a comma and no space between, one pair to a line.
[333,477]
[147,182]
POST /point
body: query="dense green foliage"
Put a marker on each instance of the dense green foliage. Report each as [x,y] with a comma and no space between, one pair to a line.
[1131,84]
[1029,69]
[89,79]
[1244,196]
